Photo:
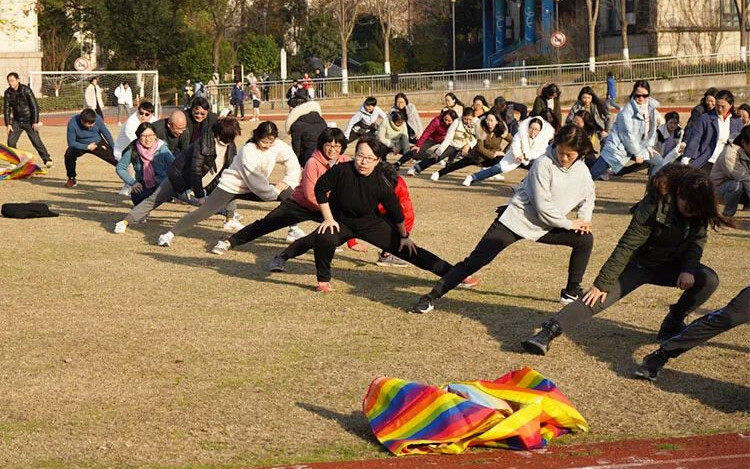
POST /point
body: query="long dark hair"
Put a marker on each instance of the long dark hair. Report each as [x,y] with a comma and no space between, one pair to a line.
[589,124]
[550,116]
[481,98]
[500,129]
[226,129]
[549,91]
[595,100]
[693,186]
[709,92]
[455,98]
[264,129]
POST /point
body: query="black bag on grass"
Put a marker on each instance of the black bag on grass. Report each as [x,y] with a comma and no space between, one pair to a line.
[27,210]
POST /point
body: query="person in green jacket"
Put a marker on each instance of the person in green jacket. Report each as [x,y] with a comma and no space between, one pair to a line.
[662,246]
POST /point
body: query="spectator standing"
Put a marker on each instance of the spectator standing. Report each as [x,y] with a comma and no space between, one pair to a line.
[21,113]
[93,97]
[124,95]
[612,91]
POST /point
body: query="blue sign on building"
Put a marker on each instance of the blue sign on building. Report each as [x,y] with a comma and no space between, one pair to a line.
[510,24]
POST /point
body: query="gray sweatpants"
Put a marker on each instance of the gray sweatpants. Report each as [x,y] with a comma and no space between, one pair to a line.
[164,193]
[215,201]
[705,327]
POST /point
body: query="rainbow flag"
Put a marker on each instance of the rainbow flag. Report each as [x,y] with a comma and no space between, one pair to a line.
[520,410]
[22,161]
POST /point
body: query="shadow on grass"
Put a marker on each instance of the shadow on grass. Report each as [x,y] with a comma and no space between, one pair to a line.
[354,422]
[615,343]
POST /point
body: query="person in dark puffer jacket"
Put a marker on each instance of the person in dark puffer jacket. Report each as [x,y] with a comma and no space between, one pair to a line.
[304,124]
[21,113]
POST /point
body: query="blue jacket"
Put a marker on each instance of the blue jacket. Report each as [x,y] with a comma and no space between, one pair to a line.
[626,139]
[162,161]
[704,135]
[79,137]
[237,96]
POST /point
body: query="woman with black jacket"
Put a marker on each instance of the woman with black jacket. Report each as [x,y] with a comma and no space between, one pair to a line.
[198,168]
[663,245]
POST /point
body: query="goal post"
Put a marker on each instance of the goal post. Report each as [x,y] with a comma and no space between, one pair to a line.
[63,92]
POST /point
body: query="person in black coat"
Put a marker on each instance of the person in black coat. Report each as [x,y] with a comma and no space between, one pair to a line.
[198,168]
[304,124]
[173,131]
[200,118]
[21,113]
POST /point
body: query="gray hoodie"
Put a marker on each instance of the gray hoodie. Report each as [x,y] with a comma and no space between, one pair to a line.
[549,192]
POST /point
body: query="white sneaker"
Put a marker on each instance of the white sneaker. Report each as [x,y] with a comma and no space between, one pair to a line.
[467,181]
[435,176]
[411,171]
[221,248]
[497,177]
[121,226]
[294,233]
[443,163]
[165,239]
[232,226]
[125,190]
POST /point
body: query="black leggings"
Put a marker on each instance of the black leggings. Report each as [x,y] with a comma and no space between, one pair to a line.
[498,237]
[424,152]
[287,213]
[377,232]
[449,153]
[469,161]
[706,282]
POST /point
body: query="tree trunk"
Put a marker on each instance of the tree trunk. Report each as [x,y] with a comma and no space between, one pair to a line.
[387,51]
[217,49]
[742,12]
[624,27]
[592,46]
[344,69]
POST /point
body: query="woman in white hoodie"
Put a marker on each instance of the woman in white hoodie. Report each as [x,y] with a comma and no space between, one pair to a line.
[530,142]
[558,183]
[459,140]
[247,178]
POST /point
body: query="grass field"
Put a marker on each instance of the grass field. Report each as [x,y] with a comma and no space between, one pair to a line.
[116,352]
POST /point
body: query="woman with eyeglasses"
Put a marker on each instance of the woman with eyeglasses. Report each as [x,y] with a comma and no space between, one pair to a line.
[150,158]
[557,184]
[198,168]
[247,178]
[301,206]
[145,113]
[633,134]
[349,195]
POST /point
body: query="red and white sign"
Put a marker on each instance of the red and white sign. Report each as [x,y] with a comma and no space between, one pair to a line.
[558,39]
[81,64]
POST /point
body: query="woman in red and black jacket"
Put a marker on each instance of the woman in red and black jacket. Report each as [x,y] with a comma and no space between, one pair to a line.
[433,135]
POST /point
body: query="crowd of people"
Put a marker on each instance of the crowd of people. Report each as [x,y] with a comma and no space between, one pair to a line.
[192,156]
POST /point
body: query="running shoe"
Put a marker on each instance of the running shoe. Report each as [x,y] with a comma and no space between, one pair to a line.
[569,296]
[277,264]
[324,287]
[389,260]
[423,306]
[232,226]
[71,183]
[121,226]
[165,239]
[294,233]
[221,248]
[469,282]
[435,176]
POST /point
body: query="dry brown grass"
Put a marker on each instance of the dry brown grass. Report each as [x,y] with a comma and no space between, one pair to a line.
[118,352]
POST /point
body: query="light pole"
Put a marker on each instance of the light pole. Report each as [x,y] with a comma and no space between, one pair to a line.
[453,15]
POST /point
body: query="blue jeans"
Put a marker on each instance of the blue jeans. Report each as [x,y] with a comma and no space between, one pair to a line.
[599,168]
[486,173]
[611,102]
[733,194]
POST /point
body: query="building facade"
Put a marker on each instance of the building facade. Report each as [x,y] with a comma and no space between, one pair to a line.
[20,46]
[511,24]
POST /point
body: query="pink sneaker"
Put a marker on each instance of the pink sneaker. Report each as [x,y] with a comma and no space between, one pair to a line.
[324,287]
[470,282]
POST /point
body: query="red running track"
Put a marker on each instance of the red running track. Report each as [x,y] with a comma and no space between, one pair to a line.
[54,120]
[726,451]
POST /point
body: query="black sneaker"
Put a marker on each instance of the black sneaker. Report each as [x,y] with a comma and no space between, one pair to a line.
[569,296]
[48,163]
[672,325]
[277,264]
[538,344]
[651,366]
[424,305]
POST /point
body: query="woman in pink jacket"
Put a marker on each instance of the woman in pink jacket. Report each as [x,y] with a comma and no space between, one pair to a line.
[433,135]
[301,206]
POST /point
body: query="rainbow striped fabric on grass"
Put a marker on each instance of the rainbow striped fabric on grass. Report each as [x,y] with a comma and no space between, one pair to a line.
[22,161]
[520,410]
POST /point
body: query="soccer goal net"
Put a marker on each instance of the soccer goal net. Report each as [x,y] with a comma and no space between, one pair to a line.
[63,92]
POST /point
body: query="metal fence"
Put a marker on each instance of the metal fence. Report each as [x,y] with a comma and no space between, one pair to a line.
[506,77]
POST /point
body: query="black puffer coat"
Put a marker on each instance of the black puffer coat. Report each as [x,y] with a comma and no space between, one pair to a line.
[20,105]
[189,167]
[305,123]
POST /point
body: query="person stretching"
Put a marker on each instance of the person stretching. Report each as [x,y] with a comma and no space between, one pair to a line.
[247,178]
[432,137]
[150,158]
[663,245]
[557,183]
[87,133]
[459,140]
[529,143]
[301,206]
[349,195]
[198,168]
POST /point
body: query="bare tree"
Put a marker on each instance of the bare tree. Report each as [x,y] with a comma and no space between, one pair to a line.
[624,27]
[221,18]
[701,21]
[345,13]
[592,9]
[388,12]
[742,14]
